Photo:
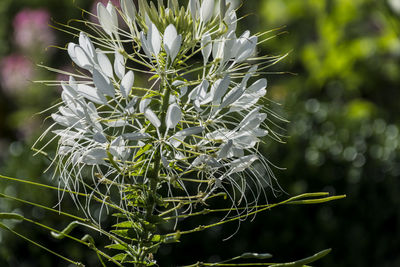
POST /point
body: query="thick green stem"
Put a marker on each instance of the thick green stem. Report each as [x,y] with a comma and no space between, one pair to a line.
[154,174]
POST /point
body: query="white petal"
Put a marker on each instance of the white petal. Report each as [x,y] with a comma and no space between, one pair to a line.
[206,10]
[70,102]
[87,45]
[172,99]
[71,52]
[99,137]
[176,46]
[174,115]
[63,121]
[255,122]
[154,39]
[223,152]
[83,59]
[249,74]
[247,49]
[105,64]
[251,115]
[91,94]
[72,82]
[231,20]
[218,49]
[118,148]
[152,117]
[222,8]
[117,123]
[130,107]
[113,13]
[119,65]
[222,88]
[220,134]
[246,101]
[183,89]
[234,95]
[145,44]
[242,163]
[233,4]
[143,104]
[230,42]
[240,42]
[67,134]
[103,83]
[127,83]
[194,6]
[236,152]
[245,140]
[129,9]
[170,34]
[69,89]
[257,86]
[66,112]
[136,136]
[177,139]
[94,156]
[165,162]
[259,132]
[190,131]
[206,47]
[64,150]
[172,42]
[199,92]
[105,19]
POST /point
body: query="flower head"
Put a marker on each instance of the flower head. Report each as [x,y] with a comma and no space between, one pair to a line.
[193,129]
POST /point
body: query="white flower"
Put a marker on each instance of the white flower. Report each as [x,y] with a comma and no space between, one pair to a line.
[192,117]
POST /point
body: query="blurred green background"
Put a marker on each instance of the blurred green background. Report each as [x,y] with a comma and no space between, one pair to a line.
[340,92]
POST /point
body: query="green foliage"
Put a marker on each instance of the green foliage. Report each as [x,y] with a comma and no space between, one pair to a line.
[129,235]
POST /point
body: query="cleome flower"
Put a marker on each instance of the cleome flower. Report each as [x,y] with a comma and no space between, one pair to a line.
[193,129]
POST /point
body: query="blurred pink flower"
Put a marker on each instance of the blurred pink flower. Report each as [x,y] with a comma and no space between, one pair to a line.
[31,29]
[15,73]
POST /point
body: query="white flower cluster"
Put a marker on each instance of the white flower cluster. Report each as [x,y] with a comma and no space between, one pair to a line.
[194,123]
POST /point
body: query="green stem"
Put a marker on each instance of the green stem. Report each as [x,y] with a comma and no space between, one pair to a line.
[321,198]
[99,252]
[155,173]
[40,246]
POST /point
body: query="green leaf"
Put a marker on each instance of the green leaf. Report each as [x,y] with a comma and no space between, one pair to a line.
[126,224]
[117,247]
[305,261]
[142,150]
[316,201]
[11,216]
[157,238]
[119,215]
[126,233]
[260,256]
[120,257]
